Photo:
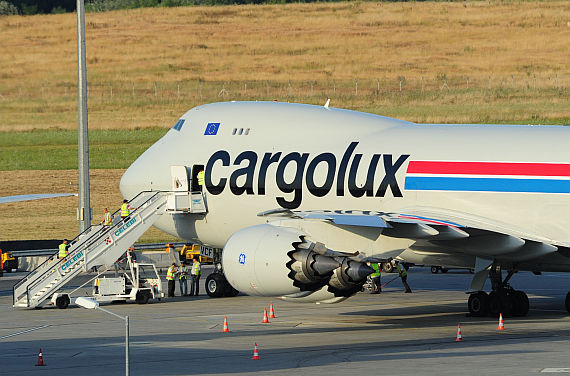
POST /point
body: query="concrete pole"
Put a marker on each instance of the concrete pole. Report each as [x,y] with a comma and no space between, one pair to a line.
[84,207]
[127,371]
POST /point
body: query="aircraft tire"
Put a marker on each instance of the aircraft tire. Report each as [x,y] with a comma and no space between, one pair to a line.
[434,269]
[230,291]
[520,303]
[500,303]
[444,270]
[215,285]
[478,304]
[567,302]
[494,304]
[387,267]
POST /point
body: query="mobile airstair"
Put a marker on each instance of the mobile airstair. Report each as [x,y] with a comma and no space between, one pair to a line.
[102,245]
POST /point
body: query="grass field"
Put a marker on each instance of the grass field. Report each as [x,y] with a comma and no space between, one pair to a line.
[57,149]
[459,62]
[148,66]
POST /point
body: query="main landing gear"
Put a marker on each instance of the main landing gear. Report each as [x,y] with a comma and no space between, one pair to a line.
[503,299]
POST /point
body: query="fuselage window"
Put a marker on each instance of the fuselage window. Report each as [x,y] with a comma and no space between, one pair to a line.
[240,131]
[247,131]
[234,132]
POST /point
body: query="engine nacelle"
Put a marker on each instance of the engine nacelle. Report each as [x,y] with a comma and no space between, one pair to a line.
[270,260]
[255,260]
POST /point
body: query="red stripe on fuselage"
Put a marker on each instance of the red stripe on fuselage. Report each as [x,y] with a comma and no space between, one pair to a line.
[489,168]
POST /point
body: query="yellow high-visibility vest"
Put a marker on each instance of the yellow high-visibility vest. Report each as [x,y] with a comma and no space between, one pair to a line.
[183,272]
[201,178]
[402,271]
[125,210]
[376,268]
[196,268]
[170,273]
[108,219]
[62,251]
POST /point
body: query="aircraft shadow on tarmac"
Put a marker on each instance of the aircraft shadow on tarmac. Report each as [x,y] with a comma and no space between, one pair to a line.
[541,308]
[167,357]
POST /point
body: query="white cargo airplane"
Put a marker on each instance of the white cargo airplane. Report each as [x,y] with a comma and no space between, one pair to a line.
[301,196]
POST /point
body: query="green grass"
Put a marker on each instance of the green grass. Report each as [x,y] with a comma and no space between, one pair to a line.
[57,149]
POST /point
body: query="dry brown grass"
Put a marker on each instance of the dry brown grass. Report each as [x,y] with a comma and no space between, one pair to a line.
[56,218]
[297,42]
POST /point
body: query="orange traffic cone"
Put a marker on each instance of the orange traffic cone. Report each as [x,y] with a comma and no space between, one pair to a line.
[255,352]
[271,311]
[459,338]
[265,319]
[226,328]
[40,359]
[501,324]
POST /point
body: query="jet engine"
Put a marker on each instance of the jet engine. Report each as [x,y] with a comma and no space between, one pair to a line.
[269,260]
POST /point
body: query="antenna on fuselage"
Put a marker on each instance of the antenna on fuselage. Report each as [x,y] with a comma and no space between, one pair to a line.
[327,104]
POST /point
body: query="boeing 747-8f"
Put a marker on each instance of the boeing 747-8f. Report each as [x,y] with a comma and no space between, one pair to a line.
[300,197]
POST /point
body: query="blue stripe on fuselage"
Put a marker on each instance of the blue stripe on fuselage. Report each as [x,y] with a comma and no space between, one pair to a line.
[427,183]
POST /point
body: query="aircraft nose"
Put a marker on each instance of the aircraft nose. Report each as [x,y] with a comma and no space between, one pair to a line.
[132,181]
[151,171]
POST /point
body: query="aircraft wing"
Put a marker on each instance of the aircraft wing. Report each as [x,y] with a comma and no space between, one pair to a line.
[442,233]
[31,197]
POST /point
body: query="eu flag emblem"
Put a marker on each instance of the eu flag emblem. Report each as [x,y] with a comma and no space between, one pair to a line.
[212,129]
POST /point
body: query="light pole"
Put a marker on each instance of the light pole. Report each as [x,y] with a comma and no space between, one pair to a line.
[84,207]
[93,304]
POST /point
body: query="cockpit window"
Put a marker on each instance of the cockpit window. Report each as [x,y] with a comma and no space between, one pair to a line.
[178,125]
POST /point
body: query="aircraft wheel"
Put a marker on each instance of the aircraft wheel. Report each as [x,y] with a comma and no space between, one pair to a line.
[500,302]
[215,285]
[521,303]
[494,303]
[478,304]
[434,269]
[444,270]
[230,291]
[387,267]
[568,302]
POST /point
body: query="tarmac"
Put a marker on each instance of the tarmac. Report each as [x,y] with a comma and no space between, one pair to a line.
[390,333]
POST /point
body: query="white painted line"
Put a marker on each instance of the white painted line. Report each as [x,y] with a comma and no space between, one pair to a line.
[24,331]
[555,370]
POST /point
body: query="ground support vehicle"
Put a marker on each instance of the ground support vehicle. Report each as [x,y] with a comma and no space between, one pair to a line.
[138,282]
[189,251]
[436,268]
[7,262]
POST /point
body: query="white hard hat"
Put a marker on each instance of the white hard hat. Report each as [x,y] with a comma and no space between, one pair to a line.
[393,262]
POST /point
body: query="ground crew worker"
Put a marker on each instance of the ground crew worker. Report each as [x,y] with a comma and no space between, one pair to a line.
[170,275]
[376,288]
[63,249]
[125,210]
[403,273]
[201,178]
[183,279]
[108,221]
[195,273]
[132,254]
